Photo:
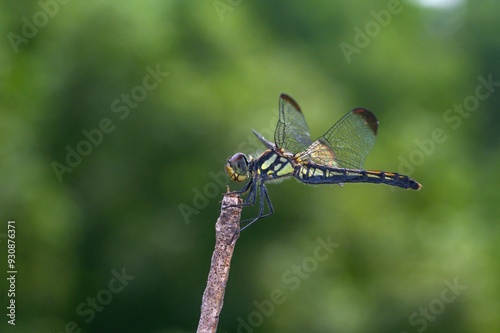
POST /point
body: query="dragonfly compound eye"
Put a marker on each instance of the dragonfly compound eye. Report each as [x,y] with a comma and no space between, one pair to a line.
[237,167]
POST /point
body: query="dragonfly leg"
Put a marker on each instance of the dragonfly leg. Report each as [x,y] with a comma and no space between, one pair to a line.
[244,189]
[265,194]
[264,197]
[250,200]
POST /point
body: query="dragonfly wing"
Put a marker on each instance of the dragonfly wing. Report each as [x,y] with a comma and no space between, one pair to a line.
[347,143]
[292,133]
[269,145]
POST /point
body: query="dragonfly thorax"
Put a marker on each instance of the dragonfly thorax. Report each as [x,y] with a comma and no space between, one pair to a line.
[237,167]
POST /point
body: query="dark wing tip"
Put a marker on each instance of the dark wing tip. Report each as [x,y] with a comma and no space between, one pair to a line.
[290,100]
[368,117]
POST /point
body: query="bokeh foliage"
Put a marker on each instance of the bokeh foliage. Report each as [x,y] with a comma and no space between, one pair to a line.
[227,62]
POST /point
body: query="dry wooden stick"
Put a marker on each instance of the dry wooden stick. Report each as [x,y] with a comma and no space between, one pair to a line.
[227,231]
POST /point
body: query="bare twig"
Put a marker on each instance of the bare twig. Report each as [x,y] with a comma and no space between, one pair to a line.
[227,231]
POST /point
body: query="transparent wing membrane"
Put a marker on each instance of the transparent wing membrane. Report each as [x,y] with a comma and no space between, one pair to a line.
[347,143]
[292,133]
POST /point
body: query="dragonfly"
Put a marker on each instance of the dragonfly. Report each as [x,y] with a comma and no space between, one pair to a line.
[337,157]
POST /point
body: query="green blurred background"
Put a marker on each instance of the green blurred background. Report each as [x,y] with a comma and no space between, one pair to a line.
[144,199]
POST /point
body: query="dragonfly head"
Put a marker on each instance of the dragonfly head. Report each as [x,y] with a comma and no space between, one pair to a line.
[237,167]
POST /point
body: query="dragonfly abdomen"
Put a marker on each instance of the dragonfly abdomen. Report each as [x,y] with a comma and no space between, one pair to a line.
[317,174]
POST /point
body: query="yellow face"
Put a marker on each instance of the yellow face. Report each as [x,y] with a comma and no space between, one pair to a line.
[237,167]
